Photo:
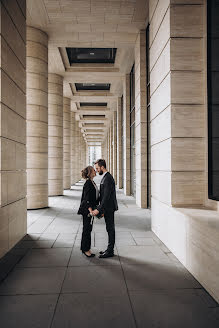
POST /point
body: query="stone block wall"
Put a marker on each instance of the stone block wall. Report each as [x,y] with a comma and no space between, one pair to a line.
[178,144]
[13,217]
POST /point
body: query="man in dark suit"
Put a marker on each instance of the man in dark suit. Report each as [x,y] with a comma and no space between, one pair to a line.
[108,205]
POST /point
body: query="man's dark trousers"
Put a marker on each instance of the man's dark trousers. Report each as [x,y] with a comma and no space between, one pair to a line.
[110,228]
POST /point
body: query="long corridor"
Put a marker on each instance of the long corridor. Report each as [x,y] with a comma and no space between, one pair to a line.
[47,282]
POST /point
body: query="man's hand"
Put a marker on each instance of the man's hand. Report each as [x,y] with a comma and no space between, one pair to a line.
[95,212]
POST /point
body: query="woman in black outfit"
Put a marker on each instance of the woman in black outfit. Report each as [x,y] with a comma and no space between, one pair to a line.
[89,201]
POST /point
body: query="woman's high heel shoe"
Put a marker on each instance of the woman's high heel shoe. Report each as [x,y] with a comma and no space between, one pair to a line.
[92,255]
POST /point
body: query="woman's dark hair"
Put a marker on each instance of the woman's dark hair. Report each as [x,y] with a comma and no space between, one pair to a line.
[101,162]
[85,173]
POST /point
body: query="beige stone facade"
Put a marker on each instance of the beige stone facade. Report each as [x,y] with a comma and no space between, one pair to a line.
[73,149]
[119,143]
[178,145]
[141,120]
[115,146]
[66,143]
[55,133]
[126,135]
[13,214]
[37,118]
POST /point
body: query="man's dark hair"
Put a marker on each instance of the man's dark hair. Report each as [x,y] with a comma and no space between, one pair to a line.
[101,162]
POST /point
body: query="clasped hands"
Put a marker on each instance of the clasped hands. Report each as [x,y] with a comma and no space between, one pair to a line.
[93,212]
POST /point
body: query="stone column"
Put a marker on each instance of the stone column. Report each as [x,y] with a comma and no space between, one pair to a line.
[111,147]
[73,149]
[126,134]
[108,151]
[115,146]
[13,210]
[77,168]
[87,155]
[141,121]
[37,118]
[66,143]
[55,123]
[119,143]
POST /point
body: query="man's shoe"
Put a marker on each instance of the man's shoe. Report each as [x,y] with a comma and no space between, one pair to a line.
[106,255]
[102,252]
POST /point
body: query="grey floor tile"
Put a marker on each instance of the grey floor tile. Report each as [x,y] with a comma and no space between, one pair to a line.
[33,281]
[142,234]
[32,236]
[157,276]
[94,279]
[144,241]
[163,293]
[170,309]
[66,236]
[88,310]
[142,254]
[64,243]
[27,311]
[53,257]
[49,236]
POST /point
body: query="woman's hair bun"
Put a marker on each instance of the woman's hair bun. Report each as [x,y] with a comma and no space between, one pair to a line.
[86,172]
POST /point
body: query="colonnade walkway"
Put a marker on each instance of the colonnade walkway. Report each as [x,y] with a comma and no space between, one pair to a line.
[47,282]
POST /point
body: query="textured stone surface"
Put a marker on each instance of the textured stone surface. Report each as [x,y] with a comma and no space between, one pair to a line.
[37,118]
[55,134]
[66,143]
[12,126]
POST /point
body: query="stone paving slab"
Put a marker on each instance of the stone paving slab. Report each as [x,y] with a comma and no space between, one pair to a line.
[88,310]
[95,279]
[172,308]
[33,281]
[27,311]
[52,257]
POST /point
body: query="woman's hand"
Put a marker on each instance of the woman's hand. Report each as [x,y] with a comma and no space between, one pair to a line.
[95,212]
[90,210]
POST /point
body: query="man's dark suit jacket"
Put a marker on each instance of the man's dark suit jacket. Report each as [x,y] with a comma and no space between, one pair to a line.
[108,201]
[88,198]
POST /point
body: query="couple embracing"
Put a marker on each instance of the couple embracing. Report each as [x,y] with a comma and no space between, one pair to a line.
[95,203]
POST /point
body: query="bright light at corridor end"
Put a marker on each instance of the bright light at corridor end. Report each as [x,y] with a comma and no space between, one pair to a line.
[94,154]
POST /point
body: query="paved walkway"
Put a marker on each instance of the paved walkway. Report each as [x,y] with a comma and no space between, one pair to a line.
[47,282]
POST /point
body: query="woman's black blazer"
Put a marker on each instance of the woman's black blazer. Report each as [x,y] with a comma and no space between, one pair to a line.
[88,198]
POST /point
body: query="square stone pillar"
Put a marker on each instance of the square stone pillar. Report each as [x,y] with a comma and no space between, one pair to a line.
[126,134]
[177,103]
[141,120]
[115,146]
[119,143]
[13,206]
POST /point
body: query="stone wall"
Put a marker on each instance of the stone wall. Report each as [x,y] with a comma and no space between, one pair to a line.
[178,151]
[13,216]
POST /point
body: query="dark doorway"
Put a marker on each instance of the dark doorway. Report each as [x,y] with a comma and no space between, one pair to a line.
[213,97]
